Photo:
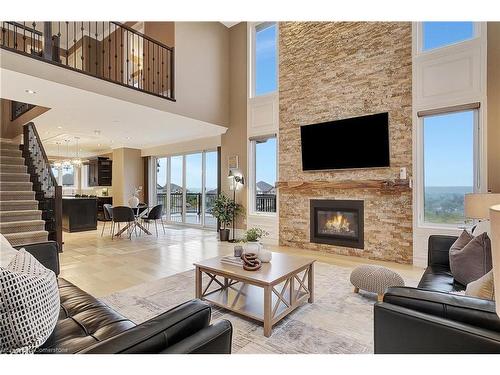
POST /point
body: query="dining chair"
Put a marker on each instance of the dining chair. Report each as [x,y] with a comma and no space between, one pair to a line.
[107,216]
[123,214]
[155,214]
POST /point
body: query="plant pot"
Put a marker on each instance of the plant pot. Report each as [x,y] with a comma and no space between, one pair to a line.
[265,256]
[224,234]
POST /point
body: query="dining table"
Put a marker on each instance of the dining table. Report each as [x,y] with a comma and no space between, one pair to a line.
[139,212]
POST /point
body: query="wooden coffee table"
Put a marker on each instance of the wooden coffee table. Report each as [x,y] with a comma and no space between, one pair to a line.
[266,295]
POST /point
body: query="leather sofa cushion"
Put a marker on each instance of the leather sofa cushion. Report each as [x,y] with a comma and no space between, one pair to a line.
[83,321]
[440,279]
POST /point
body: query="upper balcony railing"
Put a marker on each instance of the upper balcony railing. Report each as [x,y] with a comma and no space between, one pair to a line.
[107,50]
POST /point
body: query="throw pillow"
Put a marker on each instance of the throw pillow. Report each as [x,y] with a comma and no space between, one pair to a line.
[482,287]
[29,304]
[464,238]
[7,252]
[472,261]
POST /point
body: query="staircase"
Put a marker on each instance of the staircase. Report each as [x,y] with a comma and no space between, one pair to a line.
[20,219]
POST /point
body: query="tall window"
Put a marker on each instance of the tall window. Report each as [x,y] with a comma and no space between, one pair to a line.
[264,181]
[265,63]
[449,168]
[187,186]
[441,34]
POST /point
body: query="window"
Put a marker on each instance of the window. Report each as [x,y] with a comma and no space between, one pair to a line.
[68,175]
[449,165]
[187,186]
[441,34]
[264,181]
[265,59]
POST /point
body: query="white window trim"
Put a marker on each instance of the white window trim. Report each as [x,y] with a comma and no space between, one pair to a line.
[420,39]
[252,179]
[478,163]
[251,54]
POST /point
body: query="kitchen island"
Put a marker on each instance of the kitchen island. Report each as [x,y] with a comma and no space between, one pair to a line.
[79,214]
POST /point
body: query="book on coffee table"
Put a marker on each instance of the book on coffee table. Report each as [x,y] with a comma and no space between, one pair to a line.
[229,259]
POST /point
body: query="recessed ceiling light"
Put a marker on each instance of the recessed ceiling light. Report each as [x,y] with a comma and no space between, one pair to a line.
[97,132]
[128,137]
[59,127]
[98,145]
[29,91]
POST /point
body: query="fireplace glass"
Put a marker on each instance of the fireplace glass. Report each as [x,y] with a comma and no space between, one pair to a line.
[337,223]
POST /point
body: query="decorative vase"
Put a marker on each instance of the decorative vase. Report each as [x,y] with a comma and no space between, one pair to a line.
[133,201]
[265,256]
[252,247]
[224,234]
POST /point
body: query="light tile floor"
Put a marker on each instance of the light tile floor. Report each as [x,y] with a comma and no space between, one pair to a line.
[100,265]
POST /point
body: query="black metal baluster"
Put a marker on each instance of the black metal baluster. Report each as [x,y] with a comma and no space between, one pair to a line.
[133,60]
[34,40]
[74,44]
[58,41]
[116,54]
[89,57]
[15,36]
[172,73]
[121,55]
[67,43]
[127,41]
[162,64]
[96,54]
[24,36]
[103,56]
[83,46]
[109,50]
[148,87]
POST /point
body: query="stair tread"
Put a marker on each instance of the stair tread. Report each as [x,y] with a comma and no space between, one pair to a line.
[22,222]
[25,234]
[19,212]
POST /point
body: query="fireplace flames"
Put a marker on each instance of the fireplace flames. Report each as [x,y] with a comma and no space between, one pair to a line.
[338,223]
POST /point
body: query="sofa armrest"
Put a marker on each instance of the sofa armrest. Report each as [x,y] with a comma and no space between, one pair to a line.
[158,333]
[215,339]
[400,330]
[439,250]
[47,253]
[459,308]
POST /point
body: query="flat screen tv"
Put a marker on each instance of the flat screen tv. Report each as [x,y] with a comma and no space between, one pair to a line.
[359,142]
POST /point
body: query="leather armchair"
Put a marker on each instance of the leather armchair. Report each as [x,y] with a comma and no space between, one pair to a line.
[87,325]
[430,320]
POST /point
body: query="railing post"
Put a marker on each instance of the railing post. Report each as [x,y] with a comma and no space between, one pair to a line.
[47,40]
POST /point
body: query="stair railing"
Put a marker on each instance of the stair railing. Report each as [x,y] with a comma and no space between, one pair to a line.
[47,191]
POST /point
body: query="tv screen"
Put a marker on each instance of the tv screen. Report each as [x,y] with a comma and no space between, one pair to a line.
[359,142]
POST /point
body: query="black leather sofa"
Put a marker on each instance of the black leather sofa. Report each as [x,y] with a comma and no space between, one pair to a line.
[86,325]
[429,319]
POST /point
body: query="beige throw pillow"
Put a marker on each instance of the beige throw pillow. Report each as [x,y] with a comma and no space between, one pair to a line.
[482,288]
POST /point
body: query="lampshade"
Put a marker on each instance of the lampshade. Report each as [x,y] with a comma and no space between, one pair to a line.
[477,205]
[495,250]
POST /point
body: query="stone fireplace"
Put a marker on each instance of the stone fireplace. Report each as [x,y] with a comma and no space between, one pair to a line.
[337,222]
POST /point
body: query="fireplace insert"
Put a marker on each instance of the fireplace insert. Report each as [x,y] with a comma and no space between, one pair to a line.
[337,222]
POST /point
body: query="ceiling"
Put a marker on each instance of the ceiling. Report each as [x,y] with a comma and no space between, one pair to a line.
[101,122]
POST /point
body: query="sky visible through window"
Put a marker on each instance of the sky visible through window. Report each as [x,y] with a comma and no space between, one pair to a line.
[265,161]
[440,34]
[448,165]
[265,60]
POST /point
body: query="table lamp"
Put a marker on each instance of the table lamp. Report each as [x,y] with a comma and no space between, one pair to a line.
[477,205]
[495,251]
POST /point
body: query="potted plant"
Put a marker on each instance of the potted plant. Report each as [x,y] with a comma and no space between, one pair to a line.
[251,238]
[224,209]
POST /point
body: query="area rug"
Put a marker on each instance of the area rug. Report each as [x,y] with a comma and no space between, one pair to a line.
[339,321]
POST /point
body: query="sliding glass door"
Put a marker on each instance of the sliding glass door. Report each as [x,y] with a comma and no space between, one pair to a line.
[191,189]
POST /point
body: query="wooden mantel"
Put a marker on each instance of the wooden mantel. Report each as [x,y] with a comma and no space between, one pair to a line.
[383,185]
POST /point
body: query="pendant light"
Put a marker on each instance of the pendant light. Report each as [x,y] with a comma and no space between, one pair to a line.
[77,162]
[66,162]
[57,164]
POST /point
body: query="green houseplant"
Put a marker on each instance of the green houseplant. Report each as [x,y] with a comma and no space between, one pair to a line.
[254,234]
[223,210]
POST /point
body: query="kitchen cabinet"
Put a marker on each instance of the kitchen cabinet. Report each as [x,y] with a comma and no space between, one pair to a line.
[100,172]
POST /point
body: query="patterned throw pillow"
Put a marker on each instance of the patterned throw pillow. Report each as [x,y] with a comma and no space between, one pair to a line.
[7,252]
[29,304]
[482,288]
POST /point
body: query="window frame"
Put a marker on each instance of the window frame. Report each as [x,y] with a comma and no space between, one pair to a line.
[252,176]
[252,71]
[420,167]
[420,39]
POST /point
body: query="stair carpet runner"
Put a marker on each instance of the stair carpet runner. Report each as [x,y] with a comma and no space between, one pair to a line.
[20,219]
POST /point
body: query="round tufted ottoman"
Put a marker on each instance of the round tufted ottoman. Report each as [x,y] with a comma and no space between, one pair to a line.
[375,279]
